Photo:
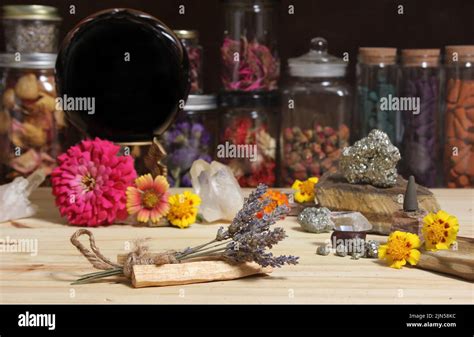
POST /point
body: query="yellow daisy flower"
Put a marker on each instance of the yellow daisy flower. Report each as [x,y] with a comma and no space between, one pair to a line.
[400,248]
[304,189]
[183,209]
[439,230]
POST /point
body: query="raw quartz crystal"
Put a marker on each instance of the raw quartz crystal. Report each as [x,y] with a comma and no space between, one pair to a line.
[350,222]
[221,197]
[14,202]
[371,160]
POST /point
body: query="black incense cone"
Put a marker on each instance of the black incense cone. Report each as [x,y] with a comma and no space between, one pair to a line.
[410,202]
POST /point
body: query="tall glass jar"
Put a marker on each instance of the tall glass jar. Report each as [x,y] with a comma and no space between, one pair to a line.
[190,40]
[249,54]
[191,137]
[377,81]
[248,136]
[459,117]
[29,99]
[316,107]
[420,87]
[31,28]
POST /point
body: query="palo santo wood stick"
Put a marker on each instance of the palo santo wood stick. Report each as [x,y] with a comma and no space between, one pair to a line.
[458,262]
[192,272]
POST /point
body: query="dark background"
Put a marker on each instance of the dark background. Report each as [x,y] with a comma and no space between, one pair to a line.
[345,24]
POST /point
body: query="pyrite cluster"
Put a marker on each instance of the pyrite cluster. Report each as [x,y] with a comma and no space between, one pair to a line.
[371,160]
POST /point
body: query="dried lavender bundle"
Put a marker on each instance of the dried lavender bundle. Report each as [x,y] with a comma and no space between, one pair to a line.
[245,240]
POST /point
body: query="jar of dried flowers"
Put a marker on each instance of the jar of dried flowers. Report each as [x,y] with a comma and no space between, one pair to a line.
[33,123]
[191,137]
[248,131]
[316,106]
[249,55]
[190,41]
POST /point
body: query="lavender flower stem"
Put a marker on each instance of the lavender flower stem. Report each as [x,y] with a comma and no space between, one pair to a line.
[203,253]
[194,249]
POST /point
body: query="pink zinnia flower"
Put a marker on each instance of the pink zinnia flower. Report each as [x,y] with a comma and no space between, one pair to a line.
[90,183]
[149,199]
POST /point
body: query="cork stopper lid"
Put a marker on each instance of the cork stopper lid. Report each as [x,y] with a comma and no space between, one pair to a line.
[420,57]
[377,55]
[461,53]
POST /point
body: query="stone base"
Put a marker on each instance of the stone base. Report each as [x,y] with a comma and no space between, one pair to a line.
[411,222]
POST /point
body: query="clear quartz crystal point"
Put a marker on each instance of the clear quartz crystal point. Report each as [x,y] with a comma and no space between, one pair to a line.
[350,222]
[14,202]
[221,196]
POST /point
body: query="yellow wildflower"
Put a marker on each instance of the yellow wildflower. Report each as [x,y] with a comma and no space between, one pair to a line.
[183,209]
[400,248]
[439,230]
[304,189]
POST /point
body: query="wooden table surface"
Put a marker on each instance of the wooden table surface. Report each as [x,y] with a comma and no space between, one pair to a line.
[46,277]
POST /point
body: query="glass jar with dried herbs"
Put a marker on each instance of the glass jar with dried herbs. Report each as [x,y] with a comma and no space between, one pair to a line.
[316,107]
[459,117]
[377,83]
[34,121]
[190,41]
[191,137]
[249,54]
[31,28]
[248,131]
[420,84]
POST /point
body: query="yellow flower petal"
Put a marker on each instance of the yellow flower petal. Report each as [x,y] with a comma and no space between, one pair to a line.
[314,179]
[414,257]
[398,264]
[382,251]
[414,240]
[443,215]
[297,184]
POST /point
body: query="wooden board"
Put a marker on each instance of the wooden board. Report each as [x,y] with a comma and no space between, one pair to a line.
[376,204]
[47,277]
[458,262]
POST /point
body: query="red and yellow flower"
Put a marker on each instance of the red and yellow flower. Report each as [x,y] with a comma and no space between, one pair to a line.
[148,199]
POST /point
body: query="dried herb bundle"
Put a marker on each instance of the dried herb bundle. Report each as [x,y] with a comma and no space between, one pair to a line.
[246,239]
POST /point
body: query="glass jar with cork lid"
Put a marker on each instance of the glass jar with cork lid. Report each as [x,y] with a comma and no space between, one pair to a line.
[459,117]
[316,107]
[420,87]
[31,28]
[377,83]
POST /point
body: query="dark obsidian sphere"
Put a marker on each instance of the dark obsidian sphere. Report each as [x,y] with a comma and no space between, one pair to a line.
[132,65]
